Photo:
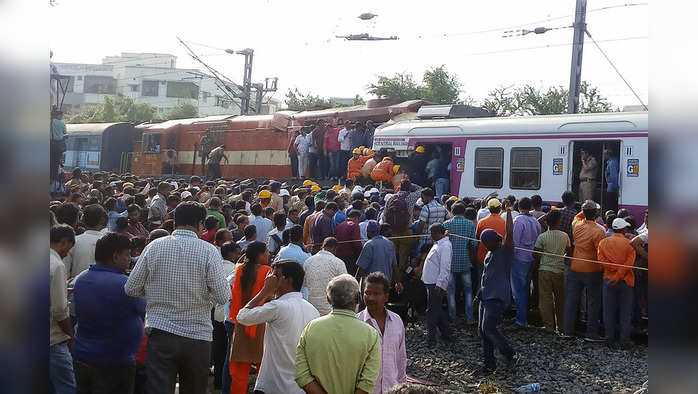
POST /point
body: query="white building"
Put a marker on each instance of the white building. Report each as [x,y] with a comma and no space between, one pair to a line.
[146,78]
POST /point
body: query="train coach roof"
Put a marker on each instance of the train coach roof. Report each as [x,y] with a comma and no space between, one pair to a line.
[91,128]
[547,124]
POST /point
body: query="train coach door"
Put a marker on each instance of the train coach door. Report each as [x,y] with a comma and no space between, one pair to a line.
[588,177]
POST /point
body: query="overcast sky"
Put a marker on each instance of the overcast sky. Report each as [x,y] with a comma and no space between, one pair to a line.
[295,40]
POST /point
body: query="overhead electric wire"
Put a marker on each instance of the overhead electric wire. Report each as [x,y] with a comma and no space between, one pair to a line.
[547,46]
[615,68]
[211,69]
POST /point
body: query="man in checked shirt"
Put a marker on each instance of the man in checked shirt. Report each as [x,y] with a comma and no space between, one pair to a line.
[181,278]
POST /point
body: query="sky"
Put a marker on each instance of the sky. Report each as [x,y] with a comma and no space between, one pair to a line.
[295,41]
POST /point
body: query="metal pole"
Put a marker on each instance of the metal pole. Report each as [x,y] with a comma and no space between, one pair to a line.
[577,50]
[247,81]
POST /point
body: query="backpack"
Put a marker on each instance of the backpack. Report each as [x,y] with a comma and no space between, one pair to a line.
[396,213]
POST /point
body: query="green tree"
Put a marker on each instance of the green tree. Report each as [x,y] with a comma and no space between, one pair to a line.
[297,101]
[358,100]
[115,109]
[441,87]
[183,110]
[529,100]
[401,87]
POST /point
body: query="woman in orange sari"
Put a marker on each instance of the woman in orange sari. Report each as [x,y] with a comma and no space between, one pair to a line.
[247,342]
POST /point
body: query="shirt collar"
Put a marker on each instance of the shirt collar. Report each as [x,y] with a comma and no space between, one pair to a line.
[185,233]
[291,295]
[97,267]
[52,252]
[365,315]
[343,312]
[442,240]
[93,232]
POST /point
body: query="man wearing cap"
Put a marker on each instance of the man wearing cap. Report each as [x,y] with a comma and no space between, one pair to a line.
[587,176]
[276,201]
[265,198]
[584,274]
[495,293]
[618,284]
[285,200]
[368,166]
[398,176]
[383,172]
[186,196]
[158,206]
[417,166]
[354,164]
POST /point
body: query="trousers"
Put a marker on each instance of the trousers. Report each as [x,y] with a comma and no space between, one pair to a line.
[520,289]
[436,316]
[294,165]
[463,280]
[551,299]
[214,170]
[171,355]
[239,377]
[334,164]
[617,309]
[219,343]
[489,318]
[442,187]
[61,372]
[586,190]
[576,283]
[302,165]
[402,248]
[104,379]
[225,374]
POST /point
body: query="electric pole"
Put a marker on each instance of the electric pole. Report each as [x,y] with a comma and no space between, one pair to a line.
[580,27]
[246,80]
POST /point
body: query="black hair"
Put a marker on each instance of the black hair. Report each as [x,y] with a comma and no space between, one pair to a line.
[449,204]
[470,213]
[60,232]
[348,182]
[525,204]
[610,218]
[329,243]
[379,278]
[590,214]
[354,213]
[133,208]
[110,244]
[623,213]
[210,223]
[291,269]
[121,223]
[228,248]
[279,220]
[553,217]
[240,205]
[67,213]
[173,199]
[246,195]
[250,231]
[371,213]
[427,192]
[295,234]
[214,203]
[310,202]
[405,185]
[93,214]
[437,228]
[332,206]
[240,218]
[110,204]
[331,194]
[269,211]
[220,234]
[385,230]
[458,208]
[157,233]
[568,198]
[249,268]
[495,210]
[256,209]
[536,201]
[189,213]
[137,243]
[139,199]
[320,205]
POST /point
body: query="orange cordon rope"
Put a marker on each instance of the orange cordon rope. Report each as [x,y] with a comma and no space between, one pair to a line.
[516,247]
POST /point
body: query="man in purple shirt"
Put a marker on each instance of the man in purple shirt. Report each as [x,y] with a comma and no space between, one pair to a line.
[526,231]
[391,331]
[322,226]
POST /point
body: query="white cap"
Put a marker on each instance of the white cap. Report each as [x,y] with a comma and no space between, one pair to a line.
[198,189]
[387,197]
[374,190]
[619,224]
[357,189]
[284,192]
[174,185]
[367,194]
[185,194]
[419,202]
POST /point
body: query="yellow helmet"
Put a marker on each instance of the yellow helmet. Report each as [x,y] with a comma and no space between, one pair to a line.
[357,151]
[420,149]
[307,182]
[336,188]
[362,148]
[315,188]
[368,152]
[454,198]
[265,194]
[396,168]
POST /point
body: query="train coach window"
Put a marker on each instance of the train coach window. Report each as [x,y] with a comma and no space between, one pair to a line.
[525,168]
[489,163]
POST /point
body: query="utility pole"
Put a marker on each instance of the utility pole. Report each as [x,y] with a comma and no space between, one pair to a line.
[247,80]
[580,27]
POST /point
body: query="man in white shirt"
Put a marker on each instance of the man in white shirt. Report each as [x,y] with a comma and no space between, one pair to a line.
[344,146]
[286,317]
[435,275]
[319,271]
[61,373]
[302,143]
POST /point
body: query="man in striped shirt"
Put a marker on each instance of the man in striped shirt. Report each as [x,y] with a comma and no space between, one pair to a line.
[464,253]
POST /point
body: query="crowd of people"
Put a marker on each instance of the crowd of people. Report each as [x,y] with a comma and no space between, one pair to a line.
[155,284]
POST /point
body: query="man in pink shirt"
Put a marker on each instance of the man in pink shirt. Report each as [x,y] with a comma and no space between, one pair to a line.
[331,150]
[391,331]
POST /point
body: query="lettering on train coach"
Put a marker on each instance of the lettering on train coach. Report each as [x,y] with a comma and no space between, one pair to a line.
[633,169]
[557,166]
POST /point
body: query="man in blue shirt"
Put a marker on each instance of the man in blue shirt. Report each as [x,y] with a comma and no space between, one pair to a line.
[110,323]
[378,255]
[611,174]
[464,253]
[495,293]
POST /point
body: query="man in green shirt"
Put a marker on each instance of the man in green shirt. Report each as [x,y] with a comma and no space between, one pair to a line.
[551,272]
[338,353]
[58,134]
[214,206]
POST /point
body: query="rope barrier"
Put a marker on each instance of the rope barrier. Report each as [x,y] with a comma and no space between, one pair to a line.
[515,247]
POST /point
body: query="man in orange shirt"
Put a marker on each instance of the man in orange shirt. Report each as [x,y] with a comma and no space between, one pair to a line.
[618,284]
[584,274]
[495,222]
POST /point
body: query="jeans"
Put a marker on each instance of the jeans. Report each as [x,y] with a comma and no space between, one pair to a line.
[520,289]
[294,165]
[302,164]
[61,369]
[576,283]
[436,316]
[105,378]
[640,296]
[442,187]
[617,308]
[460,279]
[334,164]
[324,165]
[219,343]
[476,272]
[226,380]
[489,318]
[170,355]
